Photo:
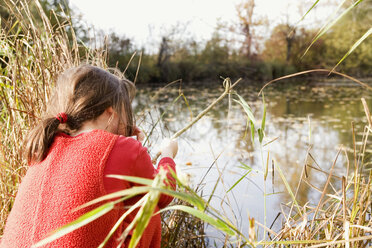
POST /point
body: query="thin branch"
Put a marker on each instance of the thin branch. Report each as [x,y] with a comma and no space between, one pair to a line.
[228,88]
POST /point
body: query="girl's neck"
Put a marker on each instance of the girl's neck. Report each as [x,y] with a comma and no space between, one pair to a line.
[80,131]
[104,122]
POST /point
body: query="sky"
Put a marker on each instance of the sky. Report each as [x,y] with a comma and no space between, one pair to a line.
[144,21]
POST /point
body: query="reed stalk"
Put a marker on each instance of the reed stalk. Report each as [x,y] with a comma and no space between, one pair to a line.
[228,88]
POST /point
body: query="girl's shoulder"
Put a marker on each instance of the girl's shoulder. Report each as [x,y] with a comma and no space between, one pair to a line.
[125,156]
[127,142]
[122,147]
[128,146]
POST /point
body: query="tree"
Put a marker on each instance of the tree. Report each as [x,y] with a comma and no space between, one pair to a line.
[344,34]
[119,49]
[215,57]
[247,23]
[276,48]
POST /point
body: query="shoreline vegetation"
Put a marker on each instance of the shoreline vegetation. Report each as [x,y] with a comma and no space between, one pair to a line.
[41,42]
[249,56]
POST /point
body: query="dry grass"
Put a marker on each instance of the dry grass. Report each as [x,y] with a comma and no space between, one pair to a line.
[182,230]
[342,216]
[32,56]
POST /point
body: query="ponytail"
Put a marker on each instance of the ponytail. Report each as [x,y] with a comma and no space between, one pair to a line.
[40,138]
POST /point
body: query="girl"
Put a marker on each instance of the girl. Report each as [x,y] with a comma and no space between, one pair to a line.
[82,138]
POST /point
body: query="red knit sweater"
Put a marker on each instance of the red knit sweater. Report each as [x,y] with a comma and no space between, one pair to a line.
[71,175]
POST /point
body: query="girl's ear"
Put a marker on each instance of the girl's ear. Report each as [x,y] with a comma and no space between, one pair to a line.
[109,111]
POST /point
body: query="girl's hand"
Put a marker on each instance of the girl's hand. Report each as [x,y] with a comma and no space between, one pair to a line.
[169,148]
[139,134]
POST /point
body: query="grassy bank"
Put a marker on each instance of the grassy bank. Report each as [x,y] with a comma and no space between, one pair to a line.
[32,56]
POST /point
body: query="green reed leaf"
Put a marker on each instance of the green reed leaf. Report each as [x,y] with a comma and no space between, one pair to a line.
[236,183]
[126,192]
[217,223]
[139,180]
[143,217]
[120,220]
[303,17]
[246,108]
[146,211]
[356,44]
[260,135]
[252,131]
[288,188]
[330,24]
[263,122]
[245,166]
[192,199]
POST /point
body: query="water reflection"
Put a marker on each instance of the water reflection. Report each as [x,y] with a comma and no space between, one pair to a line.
[298,115]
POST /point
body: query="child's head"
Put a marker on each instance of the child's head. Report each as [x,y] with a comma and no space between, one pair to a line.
[82,93]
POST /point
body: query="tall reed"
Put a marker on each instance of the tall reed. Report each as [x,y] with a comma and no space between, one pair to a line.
[32,55]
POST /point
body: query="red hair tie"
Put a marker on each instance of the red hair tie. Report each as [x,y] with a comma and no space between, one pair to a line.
[62,117]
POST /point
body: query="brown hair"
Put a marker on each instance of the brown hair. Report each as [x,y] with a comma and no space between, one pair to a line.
[83,93]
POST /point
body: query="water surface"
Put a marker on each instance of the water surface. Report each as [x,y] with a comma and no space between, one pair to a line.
[301,117]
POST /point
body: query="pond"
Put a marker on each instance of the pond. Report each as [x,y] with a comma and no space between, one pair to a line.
[301,116]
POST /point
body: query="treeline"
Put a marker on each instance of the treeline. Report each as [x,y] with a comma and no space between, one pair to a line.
[251,57]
